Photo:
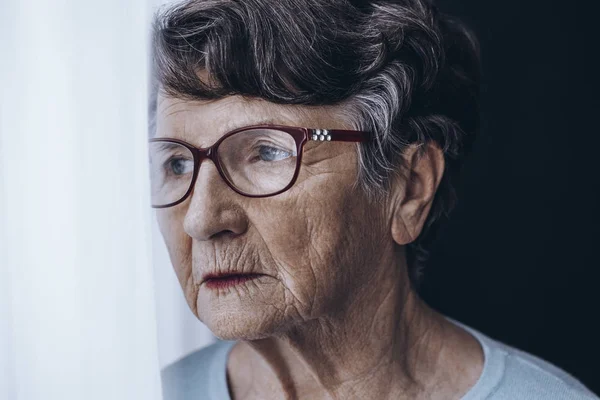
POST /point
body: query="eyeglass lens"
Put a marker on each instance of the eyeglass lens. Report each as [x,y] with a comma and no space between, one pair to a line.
[257,162]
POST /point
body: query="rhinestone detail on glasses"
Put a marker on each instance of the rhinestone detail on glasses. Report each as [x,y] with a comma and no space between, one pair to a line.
[321,134]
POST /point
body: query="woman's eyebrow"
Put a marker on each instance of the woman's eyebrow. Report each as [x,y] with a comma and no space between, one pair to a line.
[192,135]
[233,125]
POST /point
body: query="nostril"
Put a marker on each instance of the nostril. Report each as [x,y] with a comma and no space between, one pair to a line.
[224,234]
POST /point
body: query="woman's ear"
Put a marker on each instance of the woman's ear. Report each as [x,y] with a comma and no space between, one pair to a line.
[413,193]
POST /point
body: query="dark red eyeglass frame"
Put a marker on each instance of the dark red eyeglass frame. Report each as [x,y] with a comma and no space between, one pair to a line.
[300,135]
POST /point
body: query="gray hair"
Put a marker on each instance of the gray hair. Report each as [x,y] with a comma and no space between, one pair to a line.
[401,69]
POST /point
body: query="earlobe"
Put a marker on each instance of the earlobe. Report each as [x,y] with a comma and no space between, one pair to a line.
[413,193]
[400,232]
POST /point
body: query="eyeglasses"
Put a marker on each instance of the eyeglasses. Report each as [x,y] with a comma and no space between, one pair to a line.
[254,161]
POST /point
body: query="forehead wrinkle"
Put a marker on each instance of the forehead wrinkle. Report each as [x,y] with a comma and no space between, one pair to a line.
[173,112]
[175,101]
[299,117]
[257,112]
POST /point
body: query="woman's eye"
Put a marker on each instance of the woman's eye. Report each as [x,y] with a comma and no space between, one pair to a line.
[180,166]
[267,153]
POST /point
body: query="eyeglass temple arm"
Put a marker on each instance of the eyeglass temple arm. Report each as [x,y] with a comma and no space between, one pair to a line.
[337,135]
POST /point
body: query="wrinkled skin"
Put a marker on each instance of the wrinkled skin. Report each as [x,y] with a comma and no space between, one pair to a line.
[334,317]
[310,240]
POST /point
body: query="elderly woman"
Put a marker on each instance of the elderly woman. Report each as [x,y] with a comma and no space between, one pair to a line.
[304,152]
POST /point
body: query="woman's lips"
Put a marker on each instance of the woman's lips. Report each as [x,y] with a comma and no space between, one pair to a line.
[225,281]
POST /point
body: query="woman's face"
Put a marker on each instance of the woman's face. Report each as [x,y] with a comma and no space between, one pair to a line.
[317,244]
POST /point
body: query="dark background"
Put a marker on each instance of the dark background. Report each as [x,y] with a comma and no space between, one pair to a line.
[519,258]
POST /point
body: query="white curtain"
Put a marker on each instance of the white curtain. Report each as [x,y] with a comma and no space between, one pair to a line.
[77,299]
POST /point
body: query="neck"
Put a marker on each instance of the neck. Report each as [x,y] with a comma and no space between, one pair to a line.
[385,343]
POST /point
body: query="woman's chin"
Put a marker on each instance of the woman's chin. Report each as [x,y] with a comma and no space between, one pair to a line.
[244,323]
[242,328]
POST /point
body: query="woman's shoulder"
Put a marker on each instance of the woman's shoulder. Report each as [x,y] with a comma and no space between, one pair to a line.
[201,374]
[510,373]
[533,378]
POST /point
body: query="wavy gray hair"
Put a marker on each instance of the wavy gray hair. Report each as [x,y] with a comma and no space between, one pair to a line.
[401,69]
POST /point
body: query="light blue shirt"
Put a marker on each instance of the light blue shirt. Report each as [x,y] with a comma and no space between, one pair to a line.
[508,374]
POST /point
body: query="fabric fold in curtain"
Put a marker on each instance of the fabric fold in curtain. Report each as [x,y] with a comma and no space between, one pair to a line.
[77,307]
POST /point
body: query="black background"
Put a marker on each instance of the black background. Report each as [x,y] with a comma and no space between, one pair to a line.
[519,258]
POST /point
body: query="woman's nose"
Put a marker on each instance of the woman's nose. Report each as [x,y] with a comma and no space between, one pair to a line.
[214,210]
